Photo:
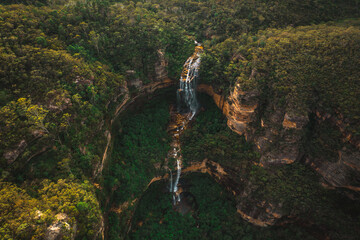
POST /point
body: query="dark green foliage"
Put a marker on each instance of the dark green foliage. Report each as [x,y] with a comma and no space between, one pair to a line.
[28,2]
[325,141]
[296,187]
[115,229]
[60,71]
[304,71]
[212,217]
[77,89]
[209,137]
[215,21]
[141,143]
[61,76]
[155,206]
[27,216]
[297,69]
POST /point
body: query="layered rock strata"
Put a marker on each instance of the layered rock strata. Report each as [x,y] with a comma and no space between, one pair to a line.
[279,136]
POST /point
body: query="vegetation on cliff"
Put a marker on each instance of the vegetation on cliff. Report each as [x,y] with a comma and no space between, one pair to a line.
[63,71]
[209,137]
[26,214]
[62,74]
[308,73]
[294,189]
[212,215]
[213,22]
[140,147]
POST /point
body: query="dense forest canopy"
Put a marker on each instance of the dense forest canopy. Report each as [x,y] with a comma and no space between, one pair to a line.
[66,67]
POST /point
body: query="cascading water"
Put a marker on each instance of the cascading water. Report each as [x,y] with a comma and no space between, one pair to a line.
[176,195]
[186,93]
[187,106]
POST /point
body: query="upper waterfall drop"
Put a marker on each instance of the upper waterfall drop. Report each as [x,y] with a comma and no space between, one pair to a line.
[186,94]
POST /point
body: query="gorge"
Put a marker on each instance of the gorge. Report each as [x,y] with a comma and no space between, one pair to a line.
[187,106]
[257,206]
[116,124]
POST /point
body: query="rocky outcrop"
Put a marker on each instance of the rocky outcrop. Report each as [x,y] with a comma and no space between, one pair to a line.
[60,228]
[278,135]
[145,90]
[242,110]
[260,213]
[343,173]
[219,100]
[341,124]
[239,107]
[99,168]
[161,72]
[11,156]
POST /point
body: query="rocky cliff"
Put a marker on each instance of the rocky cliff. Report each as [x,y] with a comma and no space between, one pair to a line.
[280,136]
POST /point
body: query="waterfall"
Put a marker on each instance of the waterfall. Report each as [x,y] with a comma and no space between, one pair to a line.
[176,196]
[186,93]
[171,181]
[186,103]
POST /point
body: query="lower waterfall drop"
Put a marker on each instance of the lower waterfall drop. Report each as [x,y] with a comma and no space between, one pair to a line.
[187,106]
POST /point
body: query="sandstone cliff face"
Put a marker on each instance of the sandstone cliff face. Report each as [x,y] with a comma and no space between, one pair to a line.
[344,173]
[344,170]
[280,136]
[276,133]
[239,107]
[281,133]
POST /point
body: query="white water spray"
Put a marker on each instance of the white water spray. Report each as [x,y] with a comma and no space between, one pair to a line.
[186,93]
[176,196]
[171,181]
